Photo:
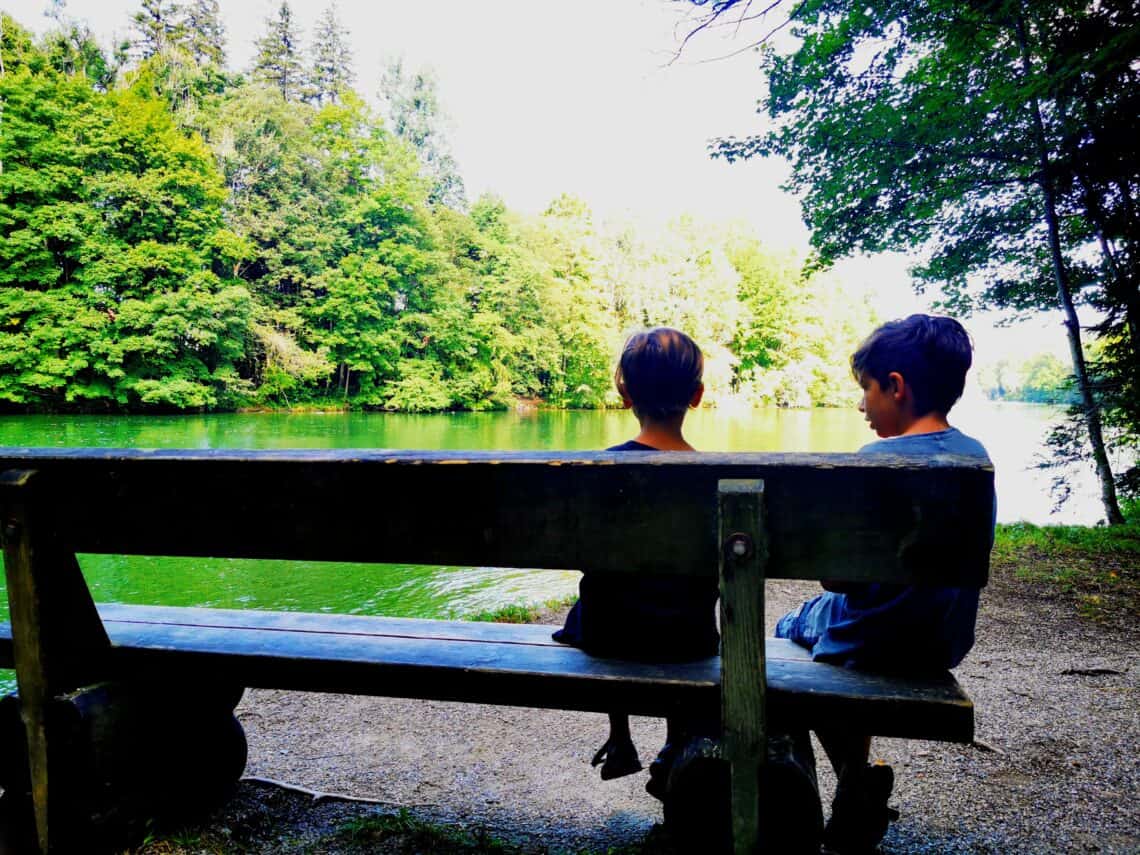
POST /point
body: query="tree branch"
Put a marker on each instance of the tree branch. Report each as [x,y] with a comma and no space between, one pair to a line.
[713,20]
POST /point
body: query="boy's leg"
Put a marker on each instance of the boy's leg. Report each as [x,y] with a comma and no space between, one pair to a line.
[619,727]
[618,756]
[678,731]
[845,750]
[859,812]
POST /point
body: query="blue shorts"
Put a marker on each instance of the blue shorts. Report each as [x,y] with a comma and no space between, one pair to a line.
[881,628]
[807,623]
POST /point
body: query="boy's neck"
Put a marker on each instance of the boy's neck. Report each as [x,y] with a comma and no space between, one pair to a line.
[932,422]
[663,436]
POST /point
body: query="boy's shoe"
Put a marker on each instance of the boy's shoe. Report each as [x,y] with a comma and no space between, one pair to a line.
[694,789]
[659,769]
[859,813]
[791,811]
[618,758]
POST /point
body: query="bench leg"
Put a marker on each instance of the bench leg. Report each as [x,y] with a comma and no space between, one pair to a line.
[58,641]
[698,798]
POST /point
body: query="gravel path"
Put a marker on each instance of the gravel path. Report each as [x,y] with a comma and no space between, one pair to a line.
[1058,719]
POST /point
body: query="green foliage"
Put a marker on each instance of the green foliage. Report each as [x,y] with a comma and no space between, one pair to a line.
[72,49]
[278,62]
[795,344]
[112,224]
[404,831]
[993,138]
[332,59]
[188,239]
[1042,379]
[418,388]
[1066,540]
[862,107]
[204,32]
[415,116]
[157,27]
[521,613]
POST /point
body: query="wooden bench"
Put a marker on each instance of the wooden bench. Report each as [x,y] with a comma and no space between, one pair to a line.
[745,516]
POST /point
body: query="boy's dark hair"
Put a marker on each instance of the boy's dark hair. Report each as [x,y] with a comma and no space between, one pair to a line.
[661,368]
[932,354]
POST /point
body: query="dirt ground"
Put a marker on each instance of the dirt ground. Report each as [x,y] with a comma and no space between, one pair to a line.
[1054,769]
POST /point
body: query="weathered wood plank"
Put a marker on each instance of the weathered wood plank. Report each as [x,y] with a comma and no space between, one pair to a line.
[743,560]
[57,643]
[337,624]
[837,516]
[144,640]
[340,624]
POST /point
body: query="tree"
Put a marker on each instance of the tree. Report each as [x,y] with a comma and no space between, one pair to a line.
[1046,380]
[275,197]
[332,59]
[415,116]
[931,125]
[578,306]
[278,60]
[1093,77]
[205,34]
[335,210]
[71,48]
[158,25]
[114,260]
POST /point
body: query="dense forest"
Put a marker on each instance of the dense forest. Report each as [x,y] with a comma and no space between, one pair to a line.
[180,236]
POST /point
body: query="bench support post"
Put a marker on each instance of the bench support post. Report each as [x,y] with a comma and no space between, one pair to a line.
[57,640]
[743,561]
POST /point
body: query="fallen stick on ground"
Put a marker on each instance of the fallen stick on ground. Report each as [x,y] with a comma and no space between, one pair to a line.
[318,796]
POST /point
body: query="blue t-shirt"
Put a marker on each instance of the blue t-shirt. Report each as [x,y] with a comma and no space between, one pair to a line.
[635,616]
[900,627]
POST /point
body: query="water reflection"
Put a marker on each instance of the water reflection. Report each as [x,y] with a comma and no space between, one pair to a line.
[397,590]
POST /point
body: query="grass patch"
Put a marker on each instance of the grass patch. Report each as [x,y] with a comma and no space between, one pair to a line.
[523,613]
[1097,568]
[184,843]
[403,832]
[1068,539]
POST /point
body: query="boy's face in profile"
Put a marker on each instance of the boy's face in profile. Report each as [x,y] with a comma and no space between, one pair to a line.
[882,408]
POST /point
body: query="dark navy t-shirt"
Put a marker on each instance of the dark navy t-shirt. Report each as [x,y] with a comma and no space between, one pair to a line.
[634,616]
[893,626]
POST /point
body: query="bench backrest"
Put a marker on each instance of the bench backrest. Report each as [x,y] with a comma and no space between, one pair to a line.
[827,516]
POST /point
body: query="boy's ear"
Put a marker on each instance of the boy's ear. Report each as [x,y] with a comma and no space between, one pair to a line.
[896,386]
[626,401]
[695,401]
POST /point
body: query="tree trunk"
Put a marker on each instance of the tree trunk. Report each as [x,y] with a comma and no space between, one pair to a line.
[1065,297]
[1122,288]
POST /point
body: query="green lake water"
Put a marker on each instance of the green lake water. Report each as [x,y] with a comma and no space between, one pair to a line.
[1012,432]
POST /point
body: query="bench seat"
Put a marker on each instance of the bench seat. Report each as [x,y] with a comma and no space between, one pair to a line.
[492,663]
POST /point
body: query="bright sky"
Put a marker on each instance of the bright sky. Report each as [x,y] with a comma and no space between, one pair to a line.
[546,97]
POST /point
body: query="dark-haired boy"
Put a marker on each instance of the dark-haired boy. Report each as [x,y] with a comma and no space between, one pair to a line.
[658,619]
[673,618]
[912,371]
